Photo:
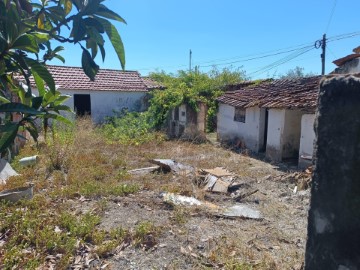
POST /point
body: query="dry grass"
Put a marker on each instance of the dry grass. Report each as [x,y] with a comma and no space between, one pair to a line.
[81,178]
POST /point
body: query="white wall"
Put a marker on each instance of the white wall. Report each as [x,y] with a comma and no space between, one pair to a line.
[248,132]
[307,139]
[103,103]
[292,132]
[275,131]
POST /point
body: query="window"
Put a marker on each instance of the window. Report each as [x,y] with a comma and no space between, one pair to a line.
[239,115]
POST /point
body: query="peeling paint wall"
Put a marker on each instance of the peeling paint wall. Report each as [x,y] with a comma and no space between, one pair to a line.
[307,140]
[248,132]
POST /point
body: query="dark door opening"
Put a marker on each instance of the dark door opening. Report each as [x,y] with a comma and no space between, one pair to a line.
[82,104]
[265,130]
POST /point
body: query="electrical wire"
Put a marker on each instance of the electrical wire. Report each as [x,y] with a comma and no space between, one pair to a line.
[331,16]
[296,51]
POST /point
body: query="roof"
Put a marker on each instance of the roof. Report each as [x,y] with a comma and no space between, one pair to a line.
[299,93]
[151,84]
[341,61]
[74,78]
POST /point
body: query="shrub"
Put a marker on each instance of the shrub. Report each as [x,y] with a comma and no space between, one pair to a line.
[132,128]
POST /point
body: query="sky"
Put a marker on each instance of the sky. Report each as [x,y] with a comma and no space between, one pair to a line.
[159,35]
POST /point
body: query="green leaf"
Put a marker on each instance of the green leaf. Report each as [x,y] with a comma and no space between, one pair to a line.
[4,100]
[88,65]
[102,50]
[58,117]
[30,126]
[62,108]
[26,42]
[36,102]
[39,83]
[61,99]
[42,71]
[79,29]
[58,49]
[103,11]
[115,40]
[62,59]
[19,107]
[8,133]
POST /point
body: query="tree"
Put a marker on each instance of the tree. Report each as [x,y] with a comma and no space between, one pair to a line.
[28,30]
[296,72]
[190,88]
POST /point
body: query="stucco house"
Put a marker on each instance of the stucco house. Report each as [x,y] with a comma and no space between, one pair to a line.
[112,90]
[273,116]
[188,123]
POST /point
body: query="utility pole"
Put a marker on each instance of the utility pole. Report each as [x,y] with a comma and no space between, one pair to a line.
[323,47]
[322,44]
[190,60]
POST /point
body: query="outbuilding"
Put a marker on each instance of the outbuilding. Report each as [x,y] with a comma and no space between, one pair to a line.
[272,116]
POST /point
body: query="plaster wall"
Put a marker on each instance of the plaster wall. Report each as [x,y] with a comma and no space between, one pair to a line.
[104,103]
[352,66]
[248,132]
[291,134]
[307,140]
[275,132]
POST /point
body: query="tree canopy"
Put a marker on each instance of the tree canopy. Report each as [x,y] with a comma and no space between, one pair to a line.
[191,88]
[28,31]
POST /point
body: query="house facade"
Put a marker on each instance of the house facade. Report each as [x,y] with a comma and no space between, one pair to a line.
[275,117]
[112,91]
[186,122]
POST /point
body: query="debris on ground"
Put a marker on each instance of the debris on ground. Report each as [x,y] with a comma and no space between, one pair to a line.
[302,180]
[28,161]
[241,210]
[216,180]
[144,171]
[241,196]
[186,201]
[17,194]
[6,171]
[169,165]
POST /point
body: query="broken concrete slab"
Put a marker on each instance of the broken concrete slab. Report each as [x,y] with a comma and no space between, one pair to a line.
[144,171]
[169,165]
[241,210]
[6,171]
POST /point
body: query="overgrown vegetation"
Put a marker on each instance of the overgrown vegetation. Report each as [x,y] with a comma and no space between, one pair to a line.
[130,128]
[86,203]
[190,88]
[72,166]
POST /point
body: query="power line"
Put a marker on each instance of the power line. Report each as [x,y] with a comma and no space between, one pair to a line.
[296,49]
[331,16]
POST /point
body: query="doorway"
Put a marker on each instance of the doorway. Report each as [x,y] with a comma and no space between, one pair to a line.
[263,149]
[82,104]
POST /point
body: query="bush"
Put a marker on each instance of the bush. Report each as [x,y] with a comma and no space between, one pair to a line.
[132,128]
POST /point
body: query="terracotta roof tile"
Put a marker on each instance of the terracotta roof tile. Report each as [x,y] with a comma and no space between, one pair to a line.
[74,78]
[301,93]
[151,84]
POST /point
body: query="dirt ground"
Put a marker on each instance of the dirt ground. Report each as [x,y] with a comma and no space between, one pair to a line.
[195,237]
